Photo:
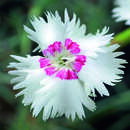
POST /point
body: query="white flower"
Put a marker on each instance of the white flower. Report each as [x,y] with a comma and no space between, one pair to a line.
[73,67]
[122,11]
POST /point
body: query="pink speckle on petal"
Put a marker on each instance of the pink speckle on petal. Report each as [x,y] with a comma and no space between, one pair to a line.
[77,66]
[50,70]
[62,74]
[79,62]
[81,58]
[44,62]
[72,75]
[66,74]
[57,46]
[45,52]
[73,47]
[51,49]
[67,43]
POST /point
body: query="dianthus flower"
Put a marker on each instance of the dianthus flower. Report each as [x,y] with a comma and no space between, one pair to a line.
[72,67]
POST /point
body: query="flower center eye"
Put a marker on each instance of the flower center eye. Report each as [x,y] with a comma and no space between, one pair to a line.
[63,60]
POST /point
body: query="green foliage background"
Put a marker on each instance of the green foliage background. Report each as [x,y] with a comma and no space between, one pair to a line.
[113,113]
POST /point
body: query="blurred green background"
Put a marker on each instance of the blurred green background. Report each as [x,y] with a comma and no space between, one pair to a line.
[113,113]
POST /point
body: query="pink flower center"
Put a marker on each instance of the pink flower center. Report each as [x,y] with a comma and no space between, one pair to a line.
[62,60]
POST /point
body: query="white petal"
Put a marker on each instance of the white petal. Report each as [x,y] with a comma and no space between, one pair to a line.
[60,97]
[103,69]
[67,19]
[54,29]
[73,29]
[29,76]
[56,96]
[46,32]
[95,43]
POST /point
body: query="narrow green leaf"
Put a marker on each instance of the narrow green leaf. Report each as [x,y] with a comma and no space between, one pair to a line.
[123,38]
